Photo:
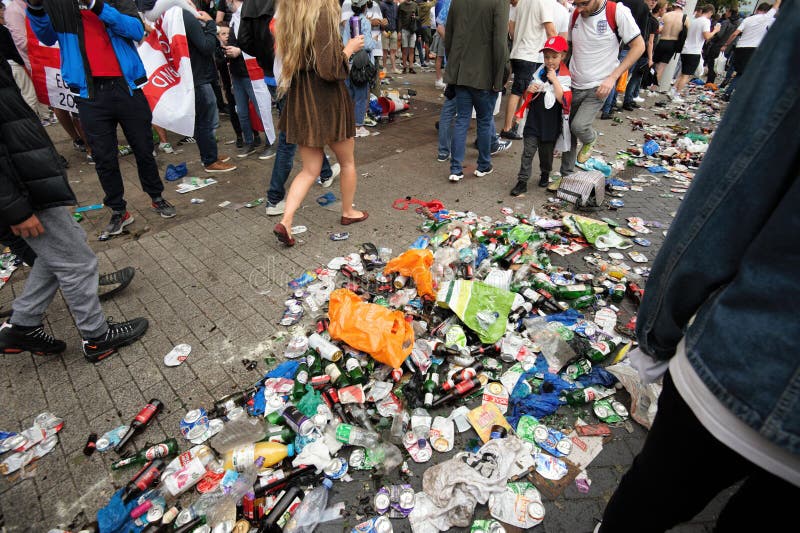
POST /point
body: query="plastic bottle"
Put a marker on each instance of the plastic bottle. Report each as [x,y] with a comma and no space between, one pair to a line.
[185,471]
[238,432]
[241,457]
[308,513]
[356,436]
[386,457]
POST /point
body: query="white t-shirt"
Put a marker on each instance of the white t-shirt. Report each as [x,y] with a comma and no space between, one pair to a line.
[512,13]
[694,37]
[561,18]
[595,47]
[529,33]
[754,28]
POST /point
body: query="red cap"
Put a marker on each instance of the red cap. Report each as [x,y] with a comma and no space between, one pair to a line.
[556,43]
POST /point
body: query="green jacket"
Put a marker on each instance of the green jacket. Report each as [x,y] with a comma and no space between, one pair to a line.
[475,40]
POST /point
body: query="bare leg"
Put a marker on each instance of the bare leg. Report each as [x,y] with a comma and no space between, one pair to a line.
[65,119]
[681,83]
[312,165]
[659,69]
[439,67]
[347,179]
[161,132]
[511,108]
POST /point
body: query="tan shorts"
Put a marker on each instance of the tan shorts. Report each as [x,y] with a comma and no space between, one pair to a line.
[390,40]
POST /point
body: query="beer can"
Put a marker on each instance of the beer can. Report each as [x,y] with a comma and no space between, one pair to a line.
[382,501]
[297,421]
[540,434]
[442,434]
[194,424]
[336,469]
[496,393]
[352,394]
[379,524]
[498,432]
[325,348]
[170,515]
[564,446]
[405,500]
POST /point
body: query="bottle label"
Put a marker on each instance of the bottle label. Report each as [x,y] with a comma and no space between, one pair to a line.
[146,414]
[333,371]
[302,377]
[243,457]
[159,450]
[351,364]
[435,377]
[601,346]
[343,432]
[147,478]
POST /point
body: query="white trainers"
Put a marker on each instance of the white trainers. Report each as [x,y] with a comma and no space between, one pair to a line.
[166,148]
[362,132]
[482,173]
[276,209]
[439,84]
[336,168]
[456,177]
[638,99]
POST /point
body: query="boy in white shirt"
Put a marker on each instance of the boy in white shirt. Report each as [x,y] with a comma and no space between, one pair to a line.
[699,32]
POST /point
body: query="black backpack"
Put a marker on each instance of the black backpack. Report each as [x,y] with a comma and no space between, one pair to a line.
[362,69]
[681,40]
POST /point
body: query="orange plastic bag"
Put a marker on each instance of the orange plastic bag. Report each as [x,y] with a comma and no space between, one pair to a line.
[622,82]
[416,264]
[371,328]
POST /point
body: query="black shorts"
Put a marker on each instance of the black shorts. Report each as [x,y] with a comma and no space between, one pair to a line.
[689,63]
[426,35]
[523,74]
[664,51]
[741,57]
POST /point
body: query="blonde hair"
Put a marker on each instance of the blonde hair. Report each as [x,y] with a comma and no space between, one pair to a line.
[296,25]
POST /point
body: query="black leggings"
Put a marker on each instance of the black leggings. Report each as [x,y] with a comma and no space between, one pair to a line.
[682,467]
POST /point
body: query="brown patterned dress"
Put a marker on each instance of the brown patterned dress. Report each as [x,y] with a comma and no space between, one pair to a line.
[319,110]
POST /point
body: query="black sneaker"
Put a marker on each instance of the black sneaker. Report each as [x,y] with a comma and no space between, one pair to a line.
[629,107]
[246,150]
[520,188]
[502,146]
[117,223]
[115,281]
[18,339]
[605,116]
[239,142]
[544,181]
[511,134]
[268,153]
[118,335]
[79,145]
[256,140]
[163,207]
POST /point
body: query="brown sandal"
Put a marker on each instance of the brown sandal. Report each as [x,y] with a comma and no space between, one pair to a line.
[346,221]
[283,235]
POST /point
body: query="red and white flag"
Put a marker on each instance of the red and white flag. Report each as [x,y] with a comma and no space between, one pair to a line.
[170,85]
[46,74]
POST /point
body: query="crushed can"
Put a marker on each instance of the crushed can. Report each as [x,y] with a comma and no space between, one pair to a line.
[379,524]
[494,392]
[486,526]
[519,505]
[418,449]
[336,469]
[442,434]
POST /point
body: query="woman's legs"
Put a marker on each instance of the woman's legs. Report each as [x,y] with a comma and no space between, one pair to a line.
[312,165]
[347,178]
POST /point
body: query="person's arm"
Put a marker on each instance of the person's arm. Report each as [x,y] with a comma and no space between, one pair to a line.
[558,90]
[440,30]
[511,27]
[204,38]
[499,45]
[709,34]
[448,28]
[733,36]
[650,41]
[123,25]
[636,49]
[550,29]
[40,23]
[370,44]
[15,21]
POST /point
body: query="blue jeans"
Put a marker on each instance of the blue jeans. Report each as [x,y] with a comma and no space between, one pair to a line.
[635,79]
[359,96]
[483,102]
[612,96]
[206,121]
[284,159]
[446,119]
[242,93]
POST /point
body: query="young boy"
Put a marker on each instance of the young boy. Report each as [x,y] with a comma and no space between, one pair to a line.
[547,97]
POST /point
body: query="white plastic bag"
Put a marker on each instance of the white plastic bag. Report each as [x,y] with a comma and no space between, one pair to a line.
[698,73]
[719,64]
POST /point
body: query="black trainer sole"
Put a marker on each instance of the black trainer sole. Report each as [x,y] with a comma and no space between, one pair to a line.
[106,295]
[111,351]
[15,351]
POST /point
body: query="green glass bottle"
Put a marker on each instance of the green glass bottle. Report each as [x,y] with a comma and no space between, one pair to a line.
[571,292]
[352,367]
[157,451]
[600,350]
[300,380]
[431,384]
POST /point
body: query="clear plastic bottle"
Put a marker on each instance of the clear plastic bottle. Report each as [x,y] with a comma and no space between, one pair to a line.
[238,432]
[356,436]
[311,510]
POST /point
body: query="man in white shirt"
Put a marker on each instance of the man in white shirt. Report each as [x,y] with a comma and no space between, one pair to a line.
[532,26]
[699,32]
[595,67]
[752,31]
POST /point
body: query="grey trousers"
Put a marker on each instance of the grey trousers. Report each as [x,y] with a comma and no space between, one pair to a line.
[63,259]
[585,105]
[532,144]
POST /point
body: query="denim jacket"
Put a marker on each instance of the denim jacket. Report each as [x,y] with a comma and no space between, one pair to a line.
[728,275]
[370,44]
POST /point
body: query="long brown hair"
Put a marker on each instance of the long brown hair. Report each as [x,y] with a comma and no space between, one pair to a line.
[297,22]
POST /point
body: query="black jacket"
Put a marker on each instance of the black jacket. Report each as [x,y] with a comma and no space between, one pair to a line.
[31,178]
[203,45]
[255,37]
[237,65]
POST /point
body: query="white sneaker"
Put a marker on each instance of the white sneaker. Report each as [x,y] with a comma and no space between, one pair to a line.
[439,84]
[336,168]
[276,209]
[456,177]
[482,173]
[676,98]
[638,99]
[166,148]
[362,132]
